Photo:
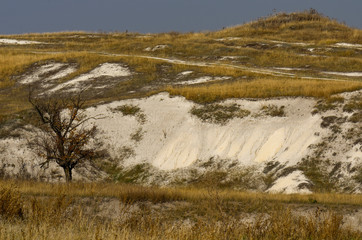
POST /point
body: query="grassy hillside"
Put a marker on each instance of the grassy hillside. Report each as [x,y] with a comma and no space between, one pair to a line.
[253,56]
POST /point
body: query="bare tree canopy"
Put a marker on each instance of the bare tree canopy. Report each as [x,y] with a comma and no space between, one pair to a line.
[65,134]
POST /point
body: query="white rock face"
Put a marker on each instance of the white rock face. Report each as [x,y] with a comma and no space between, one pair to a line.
[348,74]
[41,71]
[155,48]
[202,80]
[348,45]
[106,69]
[17,42]
[173,138]
[63,73]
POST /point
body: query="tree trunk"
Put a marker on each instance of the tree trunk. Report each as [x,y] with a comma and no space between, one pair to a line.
[68,174]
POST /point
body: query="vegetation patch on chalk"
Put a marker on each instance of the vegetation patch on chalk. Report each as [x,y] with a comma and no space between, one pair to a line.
[273,110]
[131,110]
[219,114]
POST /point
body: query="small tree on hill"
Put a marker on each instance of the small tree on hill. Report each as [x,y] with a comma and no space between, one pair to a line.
[64,136]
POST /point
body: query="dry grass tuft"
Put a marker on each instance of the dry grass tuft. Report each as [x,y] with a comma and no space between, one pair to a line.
[11,205]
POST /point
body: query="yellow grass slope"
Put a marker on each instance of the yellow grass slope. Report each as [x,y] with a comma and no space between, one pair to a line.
[265,88]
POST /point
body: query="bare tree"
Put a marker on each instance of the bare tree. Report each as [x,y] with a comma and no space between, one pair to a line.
[64,136]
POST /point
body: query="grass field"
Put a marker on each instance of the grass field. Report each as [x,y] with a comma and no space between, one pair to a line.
[33,210]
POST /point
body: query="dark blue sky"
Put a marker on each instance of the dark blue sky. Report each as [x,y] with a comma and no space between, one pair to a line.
[153,16]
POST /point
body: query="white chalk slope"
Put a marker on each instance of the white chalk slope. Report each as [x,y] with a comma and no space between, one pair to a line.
[171,138]
[17,42]
[174,139]
[46,69]
[106,69]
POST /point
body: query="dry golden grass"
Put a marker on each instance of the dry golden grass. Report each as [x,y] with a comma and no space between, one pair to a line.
[136,193]
[282,225]
[265,88]
[33,210]
[13,62]
[284,58]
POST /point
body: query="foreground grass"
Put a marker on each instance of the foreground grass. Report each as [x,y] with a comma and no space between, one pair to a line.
[33,210]
[136,193]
